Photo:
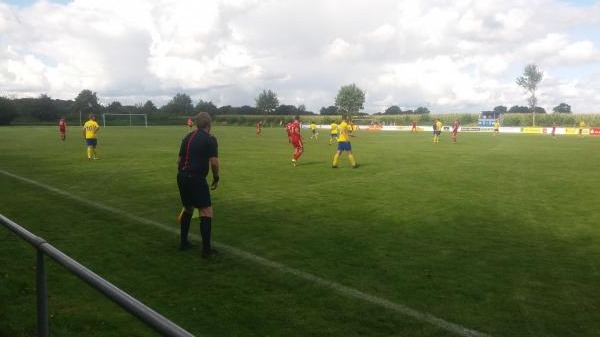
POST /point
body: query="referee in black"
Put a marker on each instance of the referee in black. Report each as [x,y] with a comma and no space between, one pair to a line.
[198,151]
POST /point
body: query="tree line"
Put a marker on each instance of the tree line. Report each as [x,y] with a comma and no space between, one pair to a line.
[349,100]
[46,109]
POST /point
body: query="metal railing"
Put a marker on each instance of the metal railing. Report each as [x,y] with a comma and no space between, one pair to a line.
[150,317]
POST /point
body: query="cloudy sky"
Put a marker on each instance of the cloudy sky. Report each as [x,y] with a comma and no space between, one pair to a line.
[446,55]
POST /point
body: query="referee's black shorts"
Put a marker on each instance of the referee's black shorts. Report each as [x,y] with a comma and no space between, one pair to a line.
[193,190]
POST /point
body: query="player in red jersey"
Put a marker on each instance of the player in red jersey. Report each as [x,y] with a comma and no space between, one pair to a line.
[288,130]
[62,127]
[259,128]
[455,126]
[190,123]
[296,139]
[414,127]
[553,129]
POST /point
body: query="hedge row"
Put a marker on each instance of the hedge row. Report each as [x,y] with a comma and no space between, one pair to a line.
[465,119]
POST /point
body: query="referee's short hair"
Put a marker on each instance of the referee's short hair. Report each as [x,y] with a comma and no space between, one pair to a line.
[203,120]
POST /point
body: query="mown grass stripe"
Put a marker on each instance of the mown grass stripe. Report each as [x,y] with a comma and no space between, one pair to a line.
[347,291]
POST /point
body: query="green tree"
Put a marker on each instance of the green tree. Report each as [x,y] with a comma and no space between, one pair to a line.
[393,110]
[350,99]
[44,109]
[8,112]
[209,107]
[86,102]
[225,110]
[115,107]
[563,108]
[421,111]
[180,104]
[285,109]
[247,110]
[302,110]
[529,81]
[518,109]
[330,110]
[500,109]
[148,108]
[267,102]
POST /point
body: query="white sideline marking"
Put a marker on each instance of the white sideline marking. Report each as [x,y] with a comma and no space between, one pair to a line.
[350,292]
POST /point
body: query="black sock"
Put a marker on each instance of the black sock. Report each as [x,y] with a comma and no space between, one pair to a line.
[205,229]
[184,223]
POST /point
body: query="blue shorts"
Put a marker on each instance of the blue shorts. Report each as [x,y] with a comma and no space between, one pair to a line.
[91,141]
[193,190]
[344,146]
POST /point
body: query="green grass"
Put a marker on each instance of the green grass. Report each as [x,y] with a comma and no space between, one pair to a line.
[495,234]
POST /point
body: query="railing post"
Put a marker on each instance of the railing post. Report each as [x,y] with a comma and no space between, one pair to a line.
[150,317]
[42,296]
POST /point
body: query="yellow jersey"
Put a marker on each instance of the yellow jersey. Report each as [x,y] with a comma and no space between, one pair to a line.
[438,126]
[582,124]
[313,126]
[334,128]
[91,128]
[343,136]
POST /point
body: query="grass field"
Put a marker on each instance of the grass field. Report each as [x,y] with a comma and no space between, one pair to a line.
[493,236]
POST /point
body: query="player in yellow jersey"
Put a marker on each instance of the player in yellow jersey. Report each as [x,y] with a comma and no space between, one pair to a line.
[581,126]
[333,133]
[496,127]
[344,144]
[437,130]
[90,134]
[313,128]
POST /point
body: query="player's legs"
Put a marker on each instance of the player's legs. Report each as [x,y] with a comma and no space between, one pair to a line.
[298,152]
[343,146]
[336,158]
[206,214]
[184,227]
[352,160]
[202,201]
[298,149]
[186,194]
[91,148]
[348,149]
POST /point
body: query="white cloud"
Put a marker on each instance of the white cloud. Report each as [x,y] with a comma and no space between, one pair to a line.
[340,50]
[580,52]
[446,55]
[495,65]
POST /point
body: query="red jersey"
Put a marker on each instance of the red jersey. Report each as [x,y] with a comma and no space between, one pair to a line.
[455,128]
[62,125]
[295,130]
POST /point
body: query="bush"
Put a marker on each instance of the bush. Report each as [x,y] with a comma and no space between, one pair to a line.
[8,111]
